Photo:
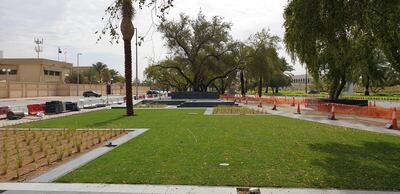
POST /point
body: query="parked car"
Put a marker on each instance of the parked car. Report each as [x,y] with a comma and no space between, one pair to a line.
[313,92]
[152,92]
[91,94]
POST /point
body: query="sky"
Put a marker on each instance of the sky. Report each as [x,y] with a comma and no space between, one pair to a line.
[71,26]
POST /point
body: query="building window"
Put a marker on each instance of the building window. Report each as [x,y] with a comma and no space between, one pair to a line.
[11,72]
[52,73]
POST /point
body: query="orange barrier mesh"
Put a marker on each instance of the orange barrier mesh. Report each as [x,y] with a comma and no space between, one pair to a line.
[368,111]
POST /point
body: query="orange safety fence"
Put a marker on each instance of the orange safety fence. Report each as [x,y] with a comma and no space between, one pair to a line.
[268,100]
[363,111]
[372,111]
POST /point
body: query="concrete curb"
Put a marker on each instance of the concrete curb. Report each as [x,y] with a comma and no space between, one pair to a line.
[158,189]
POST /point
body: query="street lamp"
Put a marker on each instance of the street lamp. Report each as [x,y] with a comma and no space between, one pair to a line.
[109,86]
[7,71]
[137,79]
[77,77]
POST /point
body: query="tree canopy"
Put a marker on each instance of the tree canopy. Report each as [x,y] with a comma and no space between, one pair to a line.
[204,56]
[330,37]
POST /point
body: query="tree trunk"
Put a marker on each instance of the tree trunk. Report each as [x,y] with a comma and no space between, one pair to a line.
[222,87]
[128,77]
[366,92]
[336,88]
[276,90]
[127,31]
[260,85]
[266,88]
[242,84]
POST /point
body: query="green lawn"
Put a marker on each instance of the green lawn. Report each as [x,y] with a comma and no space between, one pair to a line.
[267,151]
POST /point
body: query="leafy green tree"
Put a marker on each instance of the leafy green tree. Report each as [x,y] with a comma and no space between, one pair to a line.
[198,43]
[99,68]
[90,75]
[166,78]
[263,57]
[281,77]
[327,38]
[320,39]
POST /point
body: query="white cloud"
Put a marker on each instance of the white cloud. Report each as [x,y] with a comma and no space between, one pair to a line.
[71,24]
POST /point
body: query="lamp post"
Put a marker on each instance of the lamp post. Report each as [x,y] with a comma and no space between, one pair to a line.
[77,77]
[137,79]
[109,86]
[7,71]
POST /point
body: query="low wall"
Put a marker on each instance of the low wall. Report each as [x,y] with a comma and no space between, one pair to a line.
[29,89]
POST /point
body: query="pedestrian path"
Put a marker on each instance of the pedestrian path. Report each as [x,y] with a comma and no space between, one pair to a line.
[361,123]
[77,188]
[28,119]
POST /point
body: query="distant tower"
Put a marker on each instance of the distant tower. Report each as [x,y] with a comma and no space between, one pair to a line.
[38,48]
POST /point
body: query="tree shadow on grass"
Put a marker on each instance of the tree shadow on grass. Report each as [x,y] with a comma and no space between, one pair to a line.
[372,165]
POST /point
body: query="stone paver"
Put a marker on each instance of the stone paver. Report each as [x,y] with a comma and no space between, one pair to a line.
[84,159]
[77,188]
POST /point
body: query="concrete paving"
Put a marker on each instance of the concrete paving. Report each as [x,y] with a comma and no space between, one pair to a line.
[28,119]
[361,123]
[84,159]
[13,102]
[77,188]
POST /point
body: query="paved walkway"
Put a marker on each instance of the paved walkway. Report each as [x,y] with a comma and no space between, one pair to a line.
[61,188]
[28,119]
[361,123]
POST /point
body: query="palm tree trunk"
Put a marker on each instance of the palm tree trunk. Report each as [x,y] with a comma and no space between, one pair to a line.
[242,84]
[128,31]
[260,87]
[128,77]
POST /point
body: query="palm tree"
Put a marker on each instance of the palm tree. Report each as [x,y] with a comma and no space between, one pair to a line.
[125,7]
[99,67]
[90,74]
[128,31]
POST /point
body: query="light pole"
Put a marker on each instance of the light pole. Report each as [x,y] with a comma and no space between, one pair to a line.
[77,77]
[109,87]
[7,71]
[306,81]
[137,78]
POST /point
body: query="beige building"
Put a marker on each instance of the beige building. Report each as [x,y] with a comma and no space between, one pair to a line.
[81,69]
[34,70]
[299,82]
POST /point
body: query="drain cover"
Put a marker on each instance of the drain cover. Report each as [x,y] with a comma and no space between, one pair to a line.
[248,191]
[224,164]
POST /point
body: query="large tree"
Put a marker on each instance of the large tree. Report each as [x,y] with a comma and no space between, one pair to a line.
[324,35]
[198,43]
[263,57]
[165,78]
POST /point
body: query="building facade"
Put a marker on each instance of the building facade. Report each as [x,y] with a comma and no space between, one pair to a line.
[299,82]
[34,70]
